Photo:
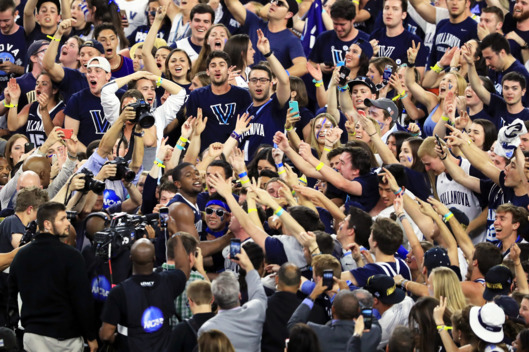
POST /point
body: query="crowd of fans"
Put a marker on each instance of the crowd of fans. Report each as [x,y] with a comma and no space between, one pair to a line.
[245,175]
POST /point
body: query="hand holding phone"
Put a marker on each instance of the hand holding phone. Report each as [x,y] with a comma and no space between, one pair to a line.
[164,216]
[294,106]
[67,132]
[28,147]
[328,279]
[368,318]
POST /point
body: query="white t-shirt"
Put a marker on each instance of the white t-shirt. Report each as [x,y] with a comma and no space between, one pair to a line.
[135,10]
[396,315]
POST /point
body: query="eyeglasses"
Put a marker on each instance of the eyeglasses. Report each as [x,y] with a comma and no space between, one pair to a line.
[262,80]
[220,212]
[278,3]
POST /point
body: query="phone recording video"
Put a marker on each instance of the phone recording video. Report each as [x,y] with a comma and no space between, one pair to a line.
[235,247]
[328,278]
[368,318]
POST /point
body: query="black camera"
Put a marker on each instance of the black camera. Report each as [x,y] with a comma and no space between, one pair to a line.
[123,230]
[122,170]
[144,117]
[91,184]
[29,234]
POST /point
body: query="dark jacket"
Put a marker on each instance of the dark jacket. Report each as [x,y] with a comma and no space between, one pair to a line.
[281,306]
[51,279]
[184,334]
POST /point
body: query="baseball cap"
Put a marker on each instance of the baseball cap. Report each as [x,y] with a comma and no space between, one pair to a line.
[94,44]
[383,287]
[362,80]
[36,45]
[366,47]
[510,307]
[384,104]
[102,63]
[292,6]
[509,138]
[487,322]
[436,257]
[498,281]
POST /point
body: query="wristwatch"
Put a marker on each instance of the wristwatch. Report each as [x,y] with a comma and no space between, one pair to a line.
[138,134]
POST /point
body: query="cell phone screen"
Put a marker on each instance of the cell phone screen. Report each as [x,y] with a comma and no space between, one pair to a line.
[164,215]
[368,318]
[235,248]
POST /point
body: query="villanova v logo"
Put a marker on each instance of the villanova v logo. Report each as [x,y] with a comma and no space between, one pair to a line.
[224,115]
[337,55]
[100,123]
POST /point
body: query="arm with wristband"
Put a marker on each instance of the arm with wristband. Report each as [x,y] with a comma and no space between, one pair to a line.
[55,70]
[415,244]
[148,58]
[187,129]
[442,329]
[252,208]
[456,172]
[15,120]
[424,97]
[293,138]
[242,125]
[237,162]
[282,142]
[194,145]
[331,138]
[385,153]
[317,78]
[448,117]
[277,155]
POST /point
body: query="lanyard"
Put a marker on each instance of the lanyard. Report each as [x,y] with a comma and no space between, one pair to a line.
[261,108]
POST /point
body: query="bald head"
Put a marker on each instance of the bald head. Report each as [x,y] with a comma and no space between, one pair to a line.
[28,179]
[41,166]
[289,275]
[142,252]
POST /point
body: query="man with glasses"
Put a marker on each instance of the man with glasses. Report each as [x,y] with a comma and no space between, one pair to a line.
[27,81]
[217,217]
[268,110]
[286,45]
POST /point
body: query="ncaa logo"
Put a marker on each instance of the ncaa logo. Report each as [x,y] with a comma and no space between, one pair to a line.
[100,288]
[152,319]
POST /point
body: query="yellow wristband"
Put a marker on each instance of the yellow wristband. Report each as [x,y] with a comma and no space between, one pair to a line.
[159,164]
[289,129]
[243,182]
[327,149]
[319,166]
[281,172]
[10,105]
[445,118]
[251,210]
[356,2]
[436,68]
[184,140]
[53,38]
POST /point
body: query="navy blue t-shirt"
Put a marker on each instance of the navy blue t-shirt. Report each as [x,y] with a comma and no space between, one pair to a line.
[390,269]
[481,115]
[449,35]
[74,81]
[124,69]
[369,197]
[34,128]
[497,77]
[285,45]
[374,7]
[516,49]
[500,116]
[418,184]
[86,108]
[397,47]
[221,110]
[267,120]
[12,48]
[329,48]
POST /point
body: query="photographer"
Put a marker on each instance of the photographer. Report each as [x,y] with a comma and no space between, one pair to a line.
[144,82]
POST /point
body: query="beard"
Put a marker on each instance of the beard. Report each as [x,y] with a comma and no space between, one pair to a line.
[519,17]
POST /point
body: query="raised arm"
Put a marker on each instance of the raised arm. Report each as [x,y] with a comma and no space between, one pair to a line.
[382,148]
[49,65]
[456,172]
[306,168]
[148,59]
[424,97]
[425,9]
[29,16]
[237,10]
[15,120]
[473,77]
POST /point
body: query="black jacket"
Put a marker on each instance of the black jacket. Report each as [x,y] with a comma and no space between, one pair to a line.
[184,334]
[56,296]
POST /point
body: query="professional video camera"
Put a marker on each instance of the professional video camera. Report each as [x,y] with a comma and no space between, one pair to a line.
[144,117]
[123,230]
[29,234]
[91,184]
[122,170]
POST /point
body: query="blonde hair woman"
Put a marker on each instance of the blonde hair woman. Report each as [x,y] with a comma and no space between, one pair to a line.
[444,282]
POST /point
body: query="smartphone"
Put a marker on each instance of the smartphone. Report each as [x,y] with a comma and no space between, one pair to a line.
[368,318]
[164,216]
[28,147]
[344,73]
[438,140]
[235,247]
[388,70]
[328,278]
[294,106]
[67,132]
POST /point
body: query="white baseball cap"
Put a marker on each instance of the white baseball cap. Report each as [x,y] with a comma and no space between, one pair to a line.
[101,63]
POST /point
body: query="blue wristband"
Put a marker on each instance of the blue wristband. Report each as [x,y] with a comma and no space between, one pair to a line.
[243,174]
[279,165]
